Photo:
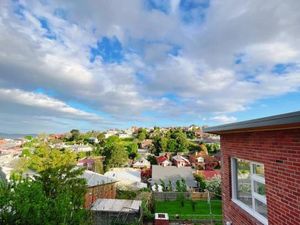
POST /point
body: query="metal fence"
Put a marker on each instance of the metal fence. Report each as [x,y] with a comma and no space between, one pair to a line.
[172,196]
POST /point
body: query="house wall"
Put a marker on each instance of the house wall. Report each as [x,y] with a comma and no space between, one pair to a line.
[279,151]
[100,191]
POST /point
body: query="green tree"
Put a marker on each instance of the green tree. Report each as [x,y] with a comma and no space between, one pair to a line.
[54,197]
[132,150]
[114,152]
[74,135]
[142,133]
[201,182]
[172,145]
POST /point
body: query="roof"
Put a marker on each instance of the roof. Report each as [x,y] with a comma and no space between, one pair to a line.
[124,174]
[208,174]
[282,121]
[161,159]
[116,205]
[95,179]
[173,174]
[180,158]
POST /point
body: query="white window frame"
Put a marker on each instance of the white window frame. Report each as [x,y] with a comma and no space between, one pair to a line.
[254,195]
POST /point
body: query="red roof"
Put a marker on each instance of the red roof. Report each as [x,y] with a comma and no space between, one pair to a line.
[161,159]
[208,174]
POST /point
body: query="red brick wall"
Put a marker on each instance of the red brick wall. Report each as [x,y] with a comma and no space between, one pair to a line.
[100,191]
[279,151]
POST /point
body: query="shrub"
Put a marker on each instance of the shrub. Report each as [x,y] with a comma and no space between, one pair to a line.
[214,185]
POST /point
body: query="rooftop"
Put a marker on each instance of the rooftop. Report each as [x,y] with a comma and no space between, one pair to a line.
[94,179]
[282,121]
[116,205]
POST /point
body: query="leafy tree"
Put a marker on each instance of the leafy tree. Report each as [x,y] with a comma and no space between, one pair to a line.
[201,182]
[214,185]
[54,197]
[74,135]
[152,159]
[160,144]
[181,186]
[44,158]
[114,152]
[101,138]
[172,144]
[132,150]
[142,133]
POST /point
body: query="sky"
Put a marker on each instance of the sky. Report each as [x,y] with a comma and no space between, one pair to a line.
[100,64]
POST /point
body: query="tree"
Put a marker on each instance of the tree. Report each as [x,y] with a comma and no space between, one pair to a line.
[114,152]
[172,144]
[214,185]
[101,138]
[132,150]
[74,135]
[54,197]
[44,158]
[201,182]
[142,133]
[160,144]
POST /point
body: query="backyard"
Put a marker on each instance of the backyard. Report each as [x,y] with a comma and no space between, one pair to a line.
[189,209]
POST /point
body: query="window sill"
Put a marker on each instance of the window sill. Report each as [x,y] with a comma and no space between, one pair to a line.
[249,210]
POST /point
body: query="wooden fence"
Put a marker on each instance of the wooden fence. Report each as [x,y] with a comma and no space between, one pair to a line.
[172,196]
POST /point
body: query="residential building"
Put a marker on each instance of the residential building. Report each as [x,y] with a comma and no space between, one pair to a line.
[179,161]
[146,143]
[261,170]
[141,164]
[173,174]
[116,211]
[99,186]
[128,178]
[163,161]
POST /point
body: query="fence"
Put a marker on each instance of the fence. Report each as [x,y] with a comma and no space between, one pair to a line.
[172,196]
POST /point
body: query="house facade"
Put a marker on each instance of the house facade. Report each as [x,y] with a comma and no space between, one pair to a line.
[261,170]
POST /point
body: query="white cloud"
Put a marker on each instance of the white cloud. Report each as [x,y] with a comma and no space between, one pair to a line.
[223,119]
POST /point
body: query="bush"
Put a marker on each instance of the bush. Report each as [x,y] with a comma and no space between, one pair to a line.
[214,185]
[125,194]
[201,182]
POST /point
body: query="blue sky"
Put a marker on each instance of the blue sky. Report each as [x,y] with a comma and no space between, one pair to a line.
[95,65]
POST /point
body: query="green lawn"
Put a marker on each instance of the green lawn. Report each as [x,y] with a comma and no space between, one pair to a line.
[186,212]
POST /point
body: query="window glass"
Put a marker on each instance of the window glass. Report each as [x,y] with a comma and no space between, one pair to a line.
[259,170]
[244,182]
[259,188]
[261,208]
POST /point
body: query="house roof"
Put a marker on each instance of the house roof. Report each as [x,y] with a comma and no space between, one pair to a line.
[161,159]
[173,174]
[116,205]
[95,179]
[180,158]
[208,174]
[277,122]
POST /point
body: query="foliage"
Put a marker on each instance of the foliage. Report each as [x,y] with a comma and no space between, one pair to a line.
[126,194]
[142,134]
[152,159]
[181,186]
[214,185]
[74,135]
[212,147]
[44,158]
[54,197]
[132,150]
[163,185]
[201,182]
[114,152]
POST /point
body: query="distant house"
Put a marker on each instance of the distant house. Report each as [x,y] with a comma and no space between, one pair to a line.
[208,174]
[93,140]
[173,173]
[141,163]
[128,178]
[81,148]
[261,170]
[163,161]
[180,161]
[92,163]
[116,211]
[99,186]
[146,143]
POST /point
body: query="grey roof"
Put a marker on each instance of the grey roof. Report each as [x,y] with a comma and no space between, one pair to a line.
[173,174]
[266,122]
[94,179]
[116,205]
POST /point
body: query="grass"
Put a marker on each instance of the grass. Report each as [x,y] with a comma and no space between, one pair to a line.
[201,210]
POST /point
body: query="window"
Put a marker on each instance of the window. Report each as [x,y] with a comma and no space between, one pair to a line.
[248,187]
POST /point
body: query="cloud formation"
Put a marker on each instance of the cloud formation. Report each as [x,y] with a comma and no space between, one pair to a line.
[143,60]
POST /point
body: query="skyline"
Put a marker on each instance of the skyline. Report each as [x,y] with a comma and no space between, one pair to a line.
[96,65]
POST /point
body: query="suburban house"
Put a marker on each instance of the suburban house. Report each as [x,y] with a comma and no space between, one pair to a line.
[180,161]
[261,170]
[141,164]
[163,161]
[116,211]
[173,173]
[146,143]
[99,186]
[128,178]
